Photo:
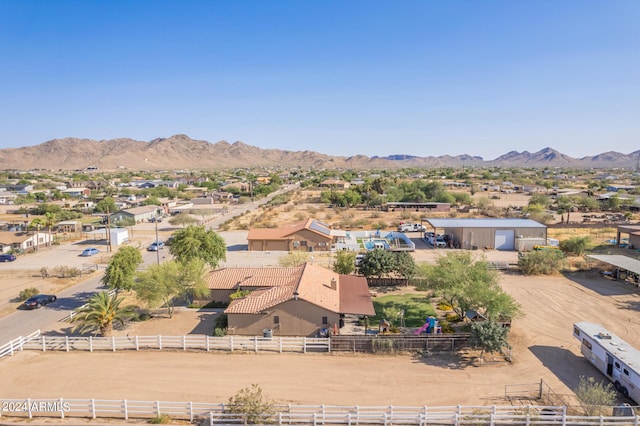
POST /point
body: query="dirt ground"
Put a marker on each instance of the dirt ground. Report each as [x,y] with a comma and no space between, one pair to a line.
[543,348]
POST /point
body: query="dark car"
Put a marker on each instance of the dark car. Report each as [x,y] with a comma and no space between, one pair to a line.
[4,257]
[39,300]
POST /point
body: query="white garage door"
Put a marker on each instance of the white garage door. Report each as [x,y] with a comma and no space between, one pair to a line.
[505,239]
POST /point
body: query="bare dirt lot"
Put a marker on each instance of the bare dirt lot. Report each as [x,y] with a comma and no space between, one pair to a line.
[543,348]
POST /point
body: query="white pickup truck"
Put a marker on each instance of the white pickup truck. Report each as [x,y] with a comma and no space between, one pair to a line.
[411,227]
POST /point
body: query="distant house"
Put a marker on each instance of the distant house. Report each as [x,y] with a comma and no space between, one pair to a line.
[22,242]
[70,226]
[77,192]
[308,235]
[616,188]
[7,197]
[306,300]
[138,214]
[335,183]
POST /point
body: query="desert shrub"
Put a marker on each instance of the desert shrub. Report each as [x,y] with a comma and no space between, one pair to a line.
[162,419]
[594,396]
[576,245]
[67,271]
[453,317]
[379,225]
[252,405]
[288,208]
[27,293]
[222,322]
[300,216]
[220,332]
[540,262]
[405,215]
[238,294]
[446,327]
[375,215]
[142,316]
[293,258]
[444,306]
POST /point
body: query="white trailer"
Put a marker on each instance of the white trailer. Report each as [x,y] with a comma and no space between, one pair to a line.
[615,358]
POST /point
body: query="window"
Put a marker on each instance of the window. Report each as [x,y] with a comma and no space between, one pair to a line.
[586,343]
[276,319]
[303,243]
[576,331]
[617,364]
[625,371]
[325,320]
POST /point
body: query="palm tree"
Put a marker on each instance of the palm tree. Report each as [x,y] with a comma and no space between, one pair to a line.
[99,314]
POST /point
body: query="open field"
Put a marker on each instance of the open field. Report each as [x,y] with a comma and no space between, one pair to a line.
[543,348]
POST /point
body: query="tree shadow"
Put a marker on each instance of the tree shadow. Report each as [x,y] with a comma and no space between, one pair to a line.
[446,359]
[71,302]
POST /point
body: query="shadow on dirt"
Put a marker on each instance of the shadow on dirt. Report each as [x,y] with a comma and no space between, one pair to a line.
[602,286]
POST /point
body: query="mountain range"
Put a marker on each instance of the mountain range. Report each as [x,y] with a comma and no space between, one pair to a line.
[182,152]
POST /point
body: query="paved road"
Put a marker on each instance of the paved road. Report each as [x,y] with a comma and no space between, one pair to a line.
[22,322]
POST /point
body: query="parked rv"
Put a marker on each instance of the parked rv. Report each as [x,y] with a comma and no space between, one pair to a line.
[612,356]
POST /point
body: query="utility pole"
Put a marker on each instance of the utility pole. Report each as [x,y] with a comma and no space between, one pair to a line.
[108,231]
[157,240]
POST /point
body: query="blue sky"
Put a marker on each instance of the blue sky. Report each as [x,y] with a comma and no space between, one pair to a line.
[338,77]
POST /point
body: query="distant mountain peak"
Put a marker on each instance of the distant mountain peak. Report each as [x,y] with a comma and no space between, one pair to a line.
[181,152]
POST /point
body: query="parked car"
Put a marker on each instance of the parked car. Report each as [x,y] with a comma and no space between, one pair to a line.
[437,241]
[155,246]
[39,300]
[5,257]
[89,252]
[154,219]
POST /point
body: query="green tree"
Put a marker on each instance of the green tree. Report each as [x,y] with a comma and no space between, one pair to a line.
[252,405]
[466,285]
[99,314]
[489,336]
[594,396]
[377,263]
[404,264]
[196,242]
[169,282]
[345,262]
[121,271]
[106,205]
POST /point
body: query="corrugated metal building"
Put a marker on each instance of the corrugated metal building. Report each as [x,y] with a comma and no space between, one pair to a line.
[499,234]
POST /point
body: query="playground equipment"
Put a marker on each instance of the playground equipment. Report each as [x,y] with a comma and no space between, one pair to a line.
[430,327]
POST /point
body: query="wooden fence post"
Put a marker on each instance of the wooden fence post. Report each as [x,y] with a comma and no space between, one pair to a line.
[137,343]
[61,408]
[90,343]
[184,343]
[207,342]
[93,408]
[66,342]
[160,341]
[126,410]
[44,346]
[113,343]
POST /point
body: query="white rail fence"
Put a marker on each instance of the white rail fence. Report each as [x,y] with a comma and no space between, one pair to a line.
[192,342]
[212,413]
[17,344]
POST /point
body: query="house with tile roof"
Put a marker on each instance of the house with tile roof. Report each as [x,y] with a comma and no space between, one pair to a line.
[306,300]
[308,235]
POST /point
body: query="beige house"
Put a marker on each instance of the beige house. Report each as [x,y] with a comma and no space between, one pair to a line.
[23,242]
[309,235]
[307,300]
[335,183]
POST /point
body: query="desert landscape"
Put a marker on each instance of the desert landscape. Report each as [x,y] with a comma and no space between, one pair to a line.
[542,349]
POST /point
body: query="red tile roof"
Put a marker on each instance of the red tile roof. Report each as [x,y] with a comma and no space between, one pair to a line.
[311,283]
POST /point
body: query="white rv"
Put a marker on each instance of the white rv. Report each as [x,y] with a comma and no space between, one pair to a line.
[614,357]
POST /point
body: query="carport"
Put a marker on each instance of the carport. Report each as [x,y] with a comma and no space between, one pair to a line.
[626,267]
